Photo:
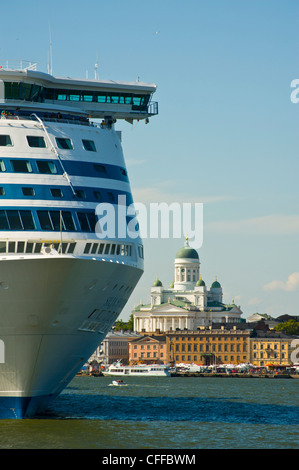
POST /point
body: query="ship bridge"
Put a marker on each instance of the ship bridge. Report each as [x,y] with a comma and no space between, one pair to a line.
[30,90]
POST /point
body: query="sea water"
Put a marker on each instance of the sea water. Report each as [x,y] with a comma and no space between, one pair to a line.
[164,413]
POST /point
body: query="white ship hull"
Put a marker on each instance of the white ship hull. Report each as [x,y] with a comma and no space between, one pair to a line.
[48,328]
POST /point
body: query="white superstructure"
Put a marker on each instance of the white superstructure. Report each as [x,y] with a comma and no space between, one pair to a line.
[61,285]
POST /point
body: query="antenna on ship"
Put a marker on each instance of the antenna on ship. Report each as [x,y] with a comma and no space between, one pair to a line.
[50,59]
[96,69]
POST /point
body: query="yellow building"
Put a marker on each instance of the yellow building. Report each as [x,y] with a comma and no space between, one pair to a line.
[272,349]
[209,346]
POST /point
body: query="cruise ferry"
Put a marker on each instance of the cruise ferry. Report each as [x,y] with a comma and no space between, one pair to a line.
[63,279]
[142,370]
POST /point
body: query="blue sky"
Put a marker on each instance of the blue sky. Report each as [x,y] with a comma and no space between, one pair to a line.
[226,134]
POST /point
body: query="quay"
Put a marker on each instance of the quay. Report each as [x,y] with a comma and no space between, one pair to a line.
[235,375]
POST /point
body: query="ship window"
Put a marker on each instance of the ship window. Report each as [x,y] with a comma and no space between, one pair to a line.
[36,141]
[25,89]
[111,196]
[44,220]
[21,166]
[2,247]
[123,172]
[71,247]
[87,221]
[100,97]
[14,220]
[46,167]
[68,221]
[80,194]
[63,143]
[56,220]
[60,95]
[101,248]
[28,191]
[56,192]
[11,90]
[37,247]
[87,248]
[29,247]
[87,96]
[2,166]
[2,191]
[27,220]
[52,221]
[11,247]
[99,168]
[20,247]
[92,220]
[74,96]
[97,195]
[83,222]
[5,141]
[94,248]
[89,145]
[3,221]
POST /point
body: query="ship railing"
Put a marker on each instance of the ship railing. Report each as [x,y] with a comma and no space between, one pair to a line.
[83,122]
[19,65]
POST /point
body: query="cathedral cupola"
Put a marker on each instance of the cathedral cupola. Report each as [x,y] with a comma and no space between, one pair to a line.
[186,268]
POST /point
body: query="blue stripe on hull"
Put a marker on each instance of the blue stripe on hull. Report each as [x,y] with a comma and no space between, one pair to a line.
[22,407]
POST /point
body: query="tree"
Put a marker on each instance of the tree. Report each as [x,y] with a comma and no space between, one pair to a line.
[126,326]
[291,327]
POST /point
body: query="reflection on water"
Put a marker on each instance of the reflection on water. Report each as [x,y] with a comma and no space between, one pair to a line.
[174,413]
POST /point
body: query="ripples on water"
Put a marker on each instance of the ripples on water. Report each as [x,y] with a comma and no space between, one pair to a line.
[173,413]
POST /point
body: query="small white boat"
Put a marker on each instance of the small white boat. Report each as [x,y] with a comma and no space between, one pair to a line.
[118,383]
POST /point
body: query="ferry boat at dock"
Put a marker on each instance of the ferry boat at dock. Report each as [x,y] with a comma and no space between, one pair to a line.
[62,283]
[142,370]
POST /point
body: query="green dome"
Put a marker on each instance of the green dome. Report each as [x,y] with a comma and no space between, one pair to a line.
[200,282]
[216,284]
[187,252]
[157,283]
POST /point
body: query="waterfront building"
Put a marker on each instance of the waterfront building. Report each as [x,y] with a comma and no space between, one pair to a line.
[270,348]
[267,319]
[113,348]
[148,350]
[209,346]
[187,303]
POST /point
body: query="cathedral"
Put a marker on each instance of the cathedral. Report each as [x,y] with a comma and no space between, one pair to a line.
[187,304]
